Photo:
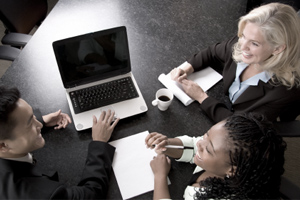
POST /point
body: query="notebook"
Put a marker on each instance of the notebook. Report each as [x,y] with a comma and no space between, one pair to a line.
[205,78]
[132,155]
[96,72]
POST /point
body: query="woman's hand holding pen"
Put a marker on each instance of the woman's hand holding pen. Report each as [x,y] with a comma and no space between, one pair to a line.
[157,141]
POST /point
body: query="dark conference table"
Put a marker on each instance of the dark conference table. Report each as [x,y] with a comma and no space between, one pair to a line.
[162,34]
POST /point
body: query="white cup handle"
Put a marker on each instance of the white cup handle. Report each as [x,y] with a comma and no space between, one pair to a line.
[154,102]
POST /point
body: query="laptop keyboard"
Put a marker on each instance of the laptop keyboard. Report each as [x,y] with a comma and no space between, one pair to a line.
[103,95]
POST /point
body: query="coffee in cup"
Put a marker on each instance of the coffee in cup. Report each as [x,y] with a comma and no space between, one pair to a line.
[163,99]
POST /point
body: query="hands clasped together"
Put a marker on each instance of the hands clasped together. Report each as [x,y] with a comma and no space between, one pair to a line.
[160,164]
[191,88]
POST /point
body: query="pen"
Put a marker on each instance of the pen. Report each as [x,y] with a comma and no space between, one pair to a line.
[175,147]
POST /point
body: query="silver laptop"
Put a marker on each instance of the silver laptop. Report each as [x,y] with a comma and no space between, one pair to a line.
[96,73]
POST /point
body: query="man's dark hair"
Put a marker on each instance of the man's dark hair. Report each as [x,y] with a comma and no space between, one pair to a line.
[8,102]
[257,152]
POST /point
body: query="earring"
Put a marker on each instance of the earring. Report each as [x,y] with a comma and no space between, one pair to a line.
[227,176]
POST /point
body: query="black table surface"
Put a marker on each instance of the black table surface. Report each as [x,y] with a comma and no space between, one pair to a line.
[162,34]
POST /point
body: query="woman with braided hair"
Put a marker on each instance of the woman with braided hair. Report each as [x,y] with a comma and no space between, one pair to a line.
[240,157]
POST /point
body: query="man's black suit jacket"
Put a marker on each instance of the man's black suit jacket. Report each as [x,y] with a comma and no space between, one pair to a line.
[23,180]
[266,98]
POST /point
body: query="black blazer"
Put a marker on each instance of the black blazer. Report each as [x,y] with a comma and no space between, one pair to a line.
[272,101]
[22,180]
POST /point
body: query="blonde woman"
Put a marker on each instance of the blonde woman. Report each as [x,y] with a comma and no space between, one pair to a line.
[261,66]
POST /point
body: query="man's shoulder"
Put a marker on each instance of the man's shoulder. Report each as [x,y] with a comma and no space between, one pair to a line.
[18,180]
[7,165]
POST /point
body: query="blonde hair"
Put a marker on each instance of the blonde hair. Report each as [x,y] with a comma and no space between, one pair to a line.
[280,25]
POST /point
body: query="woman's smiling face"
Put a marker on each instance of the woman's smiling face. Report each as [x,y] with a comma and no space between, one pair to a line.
[212,151]
[255,48]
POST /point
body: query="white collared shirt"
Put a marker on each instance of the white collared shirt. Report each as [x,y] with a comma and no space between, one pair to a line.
[237,87]
[27,158]
[188,156]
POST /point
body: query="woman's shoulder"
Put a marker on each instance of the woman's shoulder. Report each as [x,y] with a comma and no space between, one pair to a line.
[190,192]
[283,90]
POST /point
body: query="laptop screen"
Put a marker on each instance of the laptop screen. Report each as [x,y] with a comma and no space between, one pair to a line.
[91,57]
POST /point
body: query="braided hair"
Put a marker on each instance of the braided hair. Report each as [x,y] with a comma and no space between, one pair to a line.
[257,153]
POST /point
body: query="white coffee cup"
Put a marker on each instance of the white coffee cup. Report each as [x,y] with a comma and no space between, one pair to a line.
[163,99]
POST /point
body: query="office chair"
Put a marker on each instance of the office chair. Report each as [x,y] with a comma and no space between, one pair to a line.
[9,53]
[288,189]
[19,17]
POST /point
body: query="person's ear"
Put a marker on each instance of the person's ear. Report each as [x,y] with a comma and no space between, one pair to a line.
[279,49]
[3,147]
[231,171]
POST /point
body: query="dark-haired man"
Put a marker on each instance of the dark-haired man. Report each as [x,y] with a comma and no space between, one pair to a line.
[20,134]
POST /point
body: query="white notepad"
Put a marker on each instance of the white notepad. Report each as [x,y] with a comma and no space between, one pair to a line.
[131,165]
[205,78]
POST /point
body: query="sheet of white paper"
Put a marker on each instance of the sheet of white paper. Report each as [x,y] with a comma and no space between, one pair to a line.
[205,78]
[175,88]
[131,165]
